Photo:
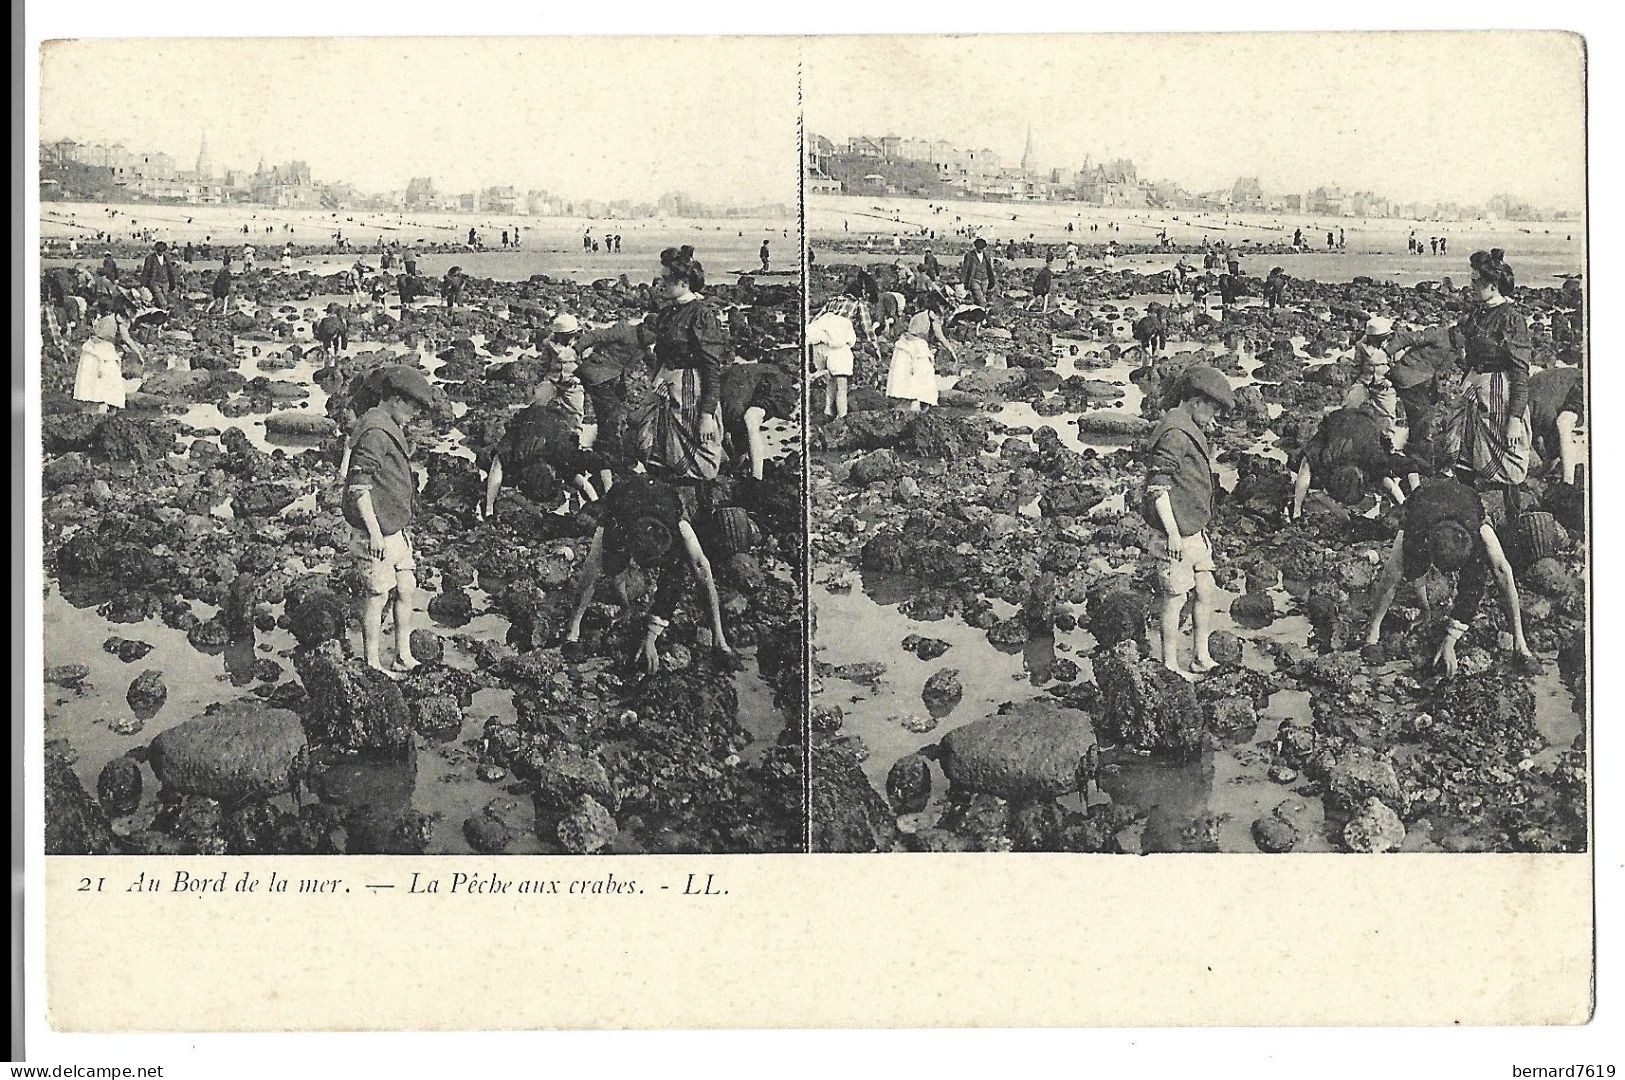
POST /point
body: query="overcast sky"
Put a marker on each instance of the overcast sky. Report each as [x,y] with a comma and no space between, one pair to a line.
[1435,117]
[584,118]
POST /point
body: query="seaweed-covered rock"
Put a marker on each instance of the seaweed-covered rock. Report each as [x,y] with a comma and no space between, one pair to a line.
[1274,834]
[127,650]
[908,783]
[943,691]
[1357,774]
[1374,828]
[1144,705]
[873,467]
[124,438]
[933,435]
[1031,751]
[867,430]
[349,705]
[1118,613]
[1254,610]
[118,786]
[561,779]
[74,823]
[317,615]
[66,433]
[848,815]
[587,828]
[436,715]
[147,693]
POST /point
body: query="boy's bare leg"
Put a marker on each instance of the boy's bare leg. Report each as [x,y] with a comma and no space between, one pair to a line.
[406,594]
[1207,594]
[1171,607]
[372,628]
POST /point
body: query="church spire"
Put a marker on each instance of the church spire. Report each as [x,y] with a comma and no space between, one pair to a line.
[205,167]
[1029,156]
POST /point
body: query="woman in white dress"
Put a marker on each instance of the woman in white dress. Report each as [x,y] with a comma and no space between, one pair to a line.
[100,378]
[913,376]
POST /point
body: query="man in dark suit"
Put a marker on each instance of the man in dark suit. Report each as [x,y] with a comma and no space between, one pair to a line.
[979,275]
[155,275]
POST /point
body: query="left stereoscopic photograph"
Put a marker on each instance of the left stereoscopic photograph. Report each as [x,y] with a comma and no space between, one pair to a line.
[421,462]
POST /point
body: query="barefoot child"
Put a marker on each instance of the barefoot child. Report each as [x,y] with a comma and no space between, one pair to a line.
[1179,505]
[379,492]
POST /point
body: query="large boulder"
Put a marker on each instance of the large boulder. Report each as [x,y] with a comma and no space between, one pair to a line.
[1032,751]
[1145,706]
[294,422]
[350,706]
[243,751]
[1111,422]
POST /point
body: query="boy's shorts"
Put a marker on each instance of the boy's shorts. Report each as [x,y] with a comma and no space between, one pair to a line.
[1176,577]
[382,573]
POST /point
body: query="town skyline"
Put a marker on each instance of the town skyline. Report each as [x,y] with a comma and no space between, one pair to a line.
[1295,110]
[911,164]
[103,170]
[471,112]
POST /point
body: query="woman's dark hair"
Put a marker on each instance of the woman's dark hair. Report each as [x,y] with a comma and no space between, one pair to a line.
[539,482]
[935,303]
[854,290]
[647,540]
[681,264]
[1491,266]
[1447,545]
[870,287]
[1450,544]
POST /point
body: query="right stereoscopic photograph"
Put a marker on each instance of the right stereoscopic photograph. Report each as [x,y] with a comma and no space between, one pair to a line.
[1197,443]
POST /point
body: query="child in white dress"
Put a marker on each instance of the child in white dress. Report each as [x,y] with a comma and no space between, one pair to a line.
[100,378]
[913,376]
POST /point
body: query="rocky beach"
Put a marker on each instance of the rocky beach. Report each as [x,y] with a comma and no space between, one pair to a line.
[983,679]
[204,692]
